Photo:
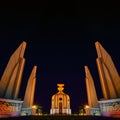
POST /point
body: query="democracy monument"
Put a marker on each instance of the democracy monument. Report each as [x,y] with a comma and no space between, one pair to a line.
[60,103]
[10,82]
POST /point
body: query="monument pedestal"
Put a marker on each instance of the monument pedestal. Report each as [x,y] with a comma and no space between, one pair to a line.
[64,111]
[10,107]
[26,111]
[110,107]
[92,111]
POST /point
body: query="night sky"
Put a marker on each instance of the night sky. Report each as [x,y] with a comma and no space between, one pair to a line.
[60,41]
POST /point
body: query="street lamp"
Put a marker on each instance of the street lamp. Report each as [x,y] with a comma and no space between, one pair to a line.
[34,109]
[87,109]
[86,106]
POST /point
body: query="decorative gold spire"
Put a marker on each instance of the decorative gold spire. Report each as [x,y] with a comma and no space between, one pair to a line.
[60,87]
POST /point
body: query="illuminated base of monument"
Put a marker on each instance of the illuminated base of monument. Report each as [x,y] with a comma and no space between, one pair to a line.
[92,111]
[62,111]
[10,107]
[110,108]
[26,111]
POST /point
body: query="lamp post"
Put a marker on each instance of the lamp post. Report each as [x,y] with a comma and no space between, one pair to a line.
[34,109]
[87,109]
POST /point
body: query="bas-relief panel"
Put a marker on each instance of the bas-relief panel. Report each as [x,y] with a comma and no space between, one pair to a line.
[9,107]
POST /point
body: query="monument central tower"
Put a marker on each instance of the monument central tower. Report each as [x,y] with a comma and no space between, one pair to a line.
[60,103]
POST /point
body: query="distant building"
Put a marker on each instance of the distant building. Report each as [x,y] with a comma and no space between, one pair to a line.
[60,102]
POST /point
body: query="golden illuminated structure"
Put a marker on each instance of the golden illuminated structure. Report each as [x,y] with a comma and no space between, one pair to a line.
[30,89]
[109,77]
[29,94]
[10,107]
[11,78]
[91,91]
[60,102]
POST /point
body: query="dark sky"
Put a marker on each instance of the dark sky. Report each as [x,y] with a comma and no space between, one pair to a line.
[60,41]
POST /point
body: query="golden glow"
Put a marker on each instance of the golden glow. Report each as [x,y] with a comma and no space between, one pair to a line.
[34,106]
[87,106]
